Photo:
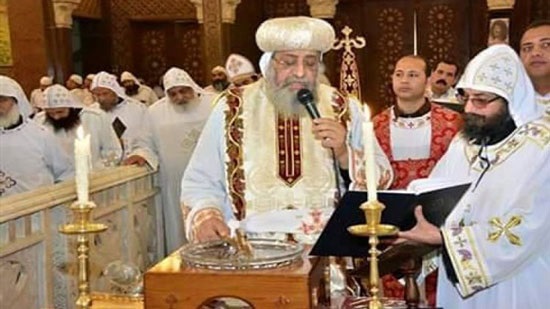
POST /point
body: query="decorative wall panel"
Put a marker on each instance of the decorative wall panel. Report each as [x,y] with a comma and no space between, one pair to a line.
[123,10]
[279,8]
[443,32]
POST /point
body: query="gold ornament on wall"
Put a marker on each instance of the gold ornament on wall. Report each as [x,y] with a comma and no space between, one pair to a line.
[5,39]
[500,4]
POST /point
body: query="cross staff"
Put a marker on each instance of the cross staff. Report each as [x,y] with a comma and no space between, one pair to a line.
[349,73]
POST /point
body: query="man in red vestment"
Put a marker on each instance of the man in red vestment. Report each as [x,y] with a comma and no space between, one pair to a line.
[414,134]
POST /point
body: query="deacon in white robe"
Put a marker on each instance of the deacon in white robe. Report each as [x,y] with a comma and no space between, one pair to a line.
[62,115]
[30,157]
[176,123]
[126,115]
[496,252]
[136,90]
[261,159]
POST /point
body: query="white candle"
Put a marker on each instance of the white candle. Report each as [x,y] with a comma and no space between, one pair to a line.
[415,35]
[368,148]
[82,161]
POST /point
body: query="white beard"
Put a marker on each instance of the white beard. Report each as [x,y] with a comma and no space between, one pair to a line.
[188,106]
[11,118]
[284,100]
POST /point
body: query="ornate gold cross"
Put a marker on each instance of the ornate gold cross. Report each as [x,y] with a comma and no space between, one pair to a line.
[505,229]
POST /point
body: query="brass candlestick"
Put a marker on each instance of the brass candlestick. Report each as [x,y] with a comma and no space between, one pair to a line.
[373,229]
[81,227]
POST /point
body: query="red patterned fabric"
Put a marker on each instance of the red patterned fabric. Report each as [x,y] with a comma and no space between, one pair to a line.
[233,140]
[290,152]
[445,124]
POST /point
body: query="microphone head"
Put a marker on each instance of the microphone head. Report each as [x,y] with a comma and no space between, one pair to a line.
[304,96]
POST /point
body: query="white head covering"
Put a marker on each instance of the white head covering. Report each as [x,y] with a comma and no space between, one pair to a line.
[178,77]
[238,66]
[128,76]
[76,78]
[46,81]
[292,33]
[499,70]
[58,96]
[264,62]
[90,76]
[10,88]
[106,80]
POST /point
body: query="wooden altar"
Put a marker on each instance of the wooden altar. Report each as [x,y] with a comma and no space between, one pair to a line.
[173,284]
[38,264]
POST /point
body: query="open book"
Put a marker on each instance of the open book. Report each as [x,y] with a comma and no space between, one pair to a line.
[438,197]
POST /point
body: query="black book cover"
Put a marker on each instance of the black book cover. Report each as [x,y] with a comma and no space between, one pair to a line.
[335,240]
[119,127]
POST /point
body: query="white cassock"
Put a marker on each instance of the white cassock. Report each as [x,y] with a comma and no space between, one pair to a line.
[170,143]
[133,115]
[104,144]
[289,178]
[496,237]
[30,157]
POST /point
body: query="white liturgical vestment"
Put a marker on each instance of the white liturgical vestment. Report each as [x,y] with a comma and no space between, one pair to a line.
[250,160]
[169,144]
[30,157]
[104,144]
[496,237]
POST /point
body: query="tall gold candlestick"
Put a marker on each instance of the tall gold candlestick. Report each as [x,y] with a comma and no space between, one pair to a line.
[82,227]
[373,229]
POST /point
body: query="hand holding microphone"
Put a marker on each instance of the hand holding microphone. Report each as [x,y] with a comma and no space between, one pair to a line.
[329,131]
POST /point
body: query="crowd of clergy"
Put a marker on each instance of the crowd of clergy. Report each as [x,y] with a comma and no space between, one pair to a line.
[225,152]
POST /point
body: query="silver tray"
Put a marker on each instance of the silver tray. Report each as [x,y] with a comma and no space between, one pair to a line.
[221,255]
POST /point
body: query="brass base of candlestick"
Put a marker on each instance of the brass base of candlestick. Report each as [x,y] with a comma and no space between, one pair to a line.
[373,229]
[81,227]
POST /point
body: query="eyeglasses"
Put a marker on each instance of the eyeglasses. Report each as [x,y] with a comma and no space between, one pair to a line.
[476,101]
[287,63]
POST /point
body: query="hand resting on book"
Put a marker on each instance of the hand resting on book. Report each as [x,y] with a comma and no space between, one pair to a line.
[422,232]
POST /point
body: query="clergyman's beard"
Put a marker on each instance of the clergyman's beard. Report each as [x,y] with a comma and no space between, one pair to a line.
[220,84]
[67,123]
[132,90]
[488,130]
[284,99]
[11,118]
[185,106]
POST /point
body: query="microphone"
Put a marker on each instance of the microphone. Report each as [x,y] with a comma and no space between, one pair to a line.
[305,97]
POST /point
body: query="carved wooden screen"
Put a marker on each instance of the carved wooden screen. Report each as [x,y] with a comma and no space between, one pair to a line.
[157,46]
[388,26]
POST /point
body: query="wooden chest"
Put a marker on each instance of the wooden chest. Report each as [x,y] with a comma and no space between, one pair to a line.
[173,284]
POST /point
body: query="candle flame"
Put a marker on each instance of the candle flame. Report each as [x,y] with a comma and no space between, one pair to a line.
[80,133]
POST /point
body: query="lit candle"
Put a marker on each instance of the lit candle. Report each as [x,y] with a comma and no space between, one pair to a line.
[82,164]
[368,148]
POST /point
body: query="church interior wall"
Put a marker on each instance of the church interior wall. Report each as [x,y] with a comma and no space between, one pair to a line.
[28,42]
